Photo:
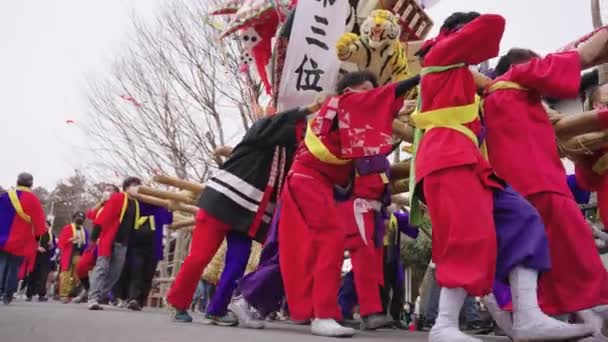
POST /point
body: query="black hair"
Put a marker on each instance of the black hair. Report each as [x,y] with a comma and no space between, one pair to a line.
[589,81]
[514,56]
[356,78]
[130,181]
[25,179]
[451,23]
[78,213]
[114,187]
[594,94]
[458,19]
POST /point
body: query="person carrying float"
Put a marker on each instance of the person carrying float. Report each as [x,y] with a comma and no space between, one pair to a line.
[458,184]
[357,123]
[523,150]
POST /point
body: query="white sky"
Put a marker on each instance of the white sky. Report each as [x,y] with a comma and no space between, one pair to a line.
[47,48]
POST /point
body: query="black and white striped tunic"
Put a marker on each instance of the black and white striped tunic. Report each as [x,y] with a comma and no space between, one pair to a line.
[248,182]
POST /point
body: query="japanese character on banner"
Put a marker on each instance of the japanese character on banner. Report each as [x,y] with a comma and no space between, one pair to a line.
[310,65]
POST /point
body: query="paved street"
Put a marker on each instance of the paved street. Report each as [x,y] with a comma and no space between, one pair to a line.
[55,322]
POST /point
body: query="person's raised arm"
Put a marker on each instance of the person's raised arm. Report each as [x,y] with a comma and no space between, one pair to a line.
[402,87]
[475,42]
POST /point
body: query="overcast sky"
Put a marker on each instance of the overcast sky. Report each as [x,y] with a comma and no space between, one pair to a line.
[48,47]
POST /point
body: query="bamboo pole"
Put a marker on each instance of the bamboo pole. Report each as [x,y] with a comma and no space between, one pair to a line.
[196,188]
[186,208]
[182,224]
[400,200]
[168,195]
[153,200]
[400,186]
[584,144]
[400,170]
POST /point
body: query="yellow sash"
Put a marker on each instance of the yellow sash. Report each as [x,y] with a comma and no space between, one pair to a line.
[125,204]
[100,210]
[504,85]
[450,117]
[80,233]
[14,198]
[143,219]
[319,150]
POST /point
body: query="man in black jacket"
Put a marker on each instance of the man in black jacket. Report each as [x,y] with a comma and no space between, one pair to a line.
[42,268]
[237,204]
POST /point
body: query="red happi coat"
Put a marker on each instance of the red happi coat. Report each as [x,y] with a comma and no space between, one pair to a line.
[27,266]
[109,219]
[19,228]
[442,148]
[518,124]
[66,247]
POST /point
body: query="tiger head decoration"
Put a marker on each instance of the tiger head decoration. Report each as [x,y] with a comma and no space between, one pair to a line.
[380,28]
[377,49]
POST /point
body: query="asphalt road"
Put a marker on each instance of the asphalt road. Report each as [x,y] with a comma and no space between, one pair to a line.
[55,322]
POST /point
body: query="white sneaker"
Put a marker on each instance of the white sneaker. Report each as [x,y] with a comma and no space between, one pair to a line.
[330,328]
[449,334]
[122,303]
[534,326]
[241,309]
[502,318]
[94,305]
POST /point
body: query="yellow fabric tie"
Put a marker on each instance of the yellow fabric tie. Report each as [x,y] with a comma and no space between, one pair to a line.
[142,221]
[80,233]
[319,150]
[450,117]
[504,85]
[14,198]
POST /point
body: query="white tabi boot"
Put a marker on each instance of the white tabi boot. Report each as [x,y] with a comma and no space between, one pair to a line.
[446,327]
[502,318]
[242,310]
[529,322]
[601,311]
[593,319]
[330,328]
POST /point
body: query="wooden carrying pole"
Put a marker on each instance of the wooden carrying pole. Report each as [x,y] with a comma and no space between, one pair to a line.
[168,195]
[182,224]
[401,170]
[400,186]
[196,188]
[584,144]
[168,204]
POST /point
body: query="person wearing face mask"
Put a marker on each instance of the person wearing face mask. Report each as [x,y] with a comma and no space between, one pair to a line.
[72,243]
[116,220]
[89,257]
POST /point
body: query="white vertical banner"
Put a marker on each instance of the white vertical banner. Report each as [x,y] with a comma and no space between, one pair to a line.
[311,64]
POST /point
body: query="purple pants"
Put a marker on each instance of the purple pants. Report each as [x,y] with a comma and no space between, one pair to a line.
[520,235]
[521,239]
[237,256]
[263,288]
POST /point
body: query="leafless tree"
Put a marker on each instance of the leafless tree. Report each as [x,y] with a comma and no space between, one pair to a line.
[172,98]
